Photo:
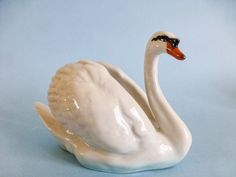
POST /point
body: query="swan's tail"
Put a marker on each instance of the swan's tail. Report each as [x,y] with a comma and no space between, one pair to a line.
[46,115]
[65,138]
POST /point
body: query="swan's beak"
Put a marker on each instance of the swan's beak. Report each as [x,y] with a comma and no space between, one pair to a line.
[175,52]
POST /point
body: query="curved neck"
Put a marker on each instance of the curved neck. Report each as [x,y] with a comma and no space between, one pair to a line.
[168,121]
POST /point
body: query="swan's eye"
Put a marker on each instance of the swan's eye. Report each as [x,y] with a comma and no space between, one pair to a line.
[174,42]
[164,38]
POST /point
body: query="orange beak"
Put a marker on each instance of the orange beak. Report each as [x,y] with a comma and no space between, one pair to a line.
[175,52]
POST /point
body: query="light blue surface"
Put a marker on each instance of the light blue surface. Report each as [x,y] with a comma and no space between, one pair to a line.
[37,37]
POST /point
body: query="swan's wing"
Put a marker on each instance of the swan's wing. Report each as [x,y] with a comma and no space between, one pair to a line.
[89,102]
[132,88]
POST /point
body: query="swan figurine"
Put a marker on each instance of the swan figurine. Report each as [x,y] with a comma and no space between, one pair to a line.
[100,115]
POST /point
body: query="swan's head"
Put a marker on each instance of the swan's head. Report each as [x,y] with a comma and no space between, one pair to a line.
[165,42]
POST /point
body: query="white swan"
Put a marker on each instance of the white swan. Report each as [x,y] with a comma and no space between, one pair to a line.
[101,116]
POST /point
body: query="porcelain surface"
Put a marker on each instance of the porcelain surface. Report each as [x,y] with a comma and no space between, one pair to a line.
[108,122]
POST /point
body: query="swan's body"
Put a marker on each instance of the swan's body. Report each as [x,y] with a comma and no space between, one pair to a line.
[101,116]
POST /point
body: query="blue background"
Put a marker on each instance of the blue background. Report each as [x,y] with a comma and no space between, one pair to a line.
[38,37]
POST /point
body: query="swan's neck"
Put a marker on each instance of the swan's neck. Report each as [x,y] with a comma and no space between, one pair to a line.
[169,122]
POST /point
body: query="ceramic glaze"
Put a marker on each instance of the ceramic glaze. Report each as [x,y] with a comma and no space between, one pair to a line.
[107,121]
